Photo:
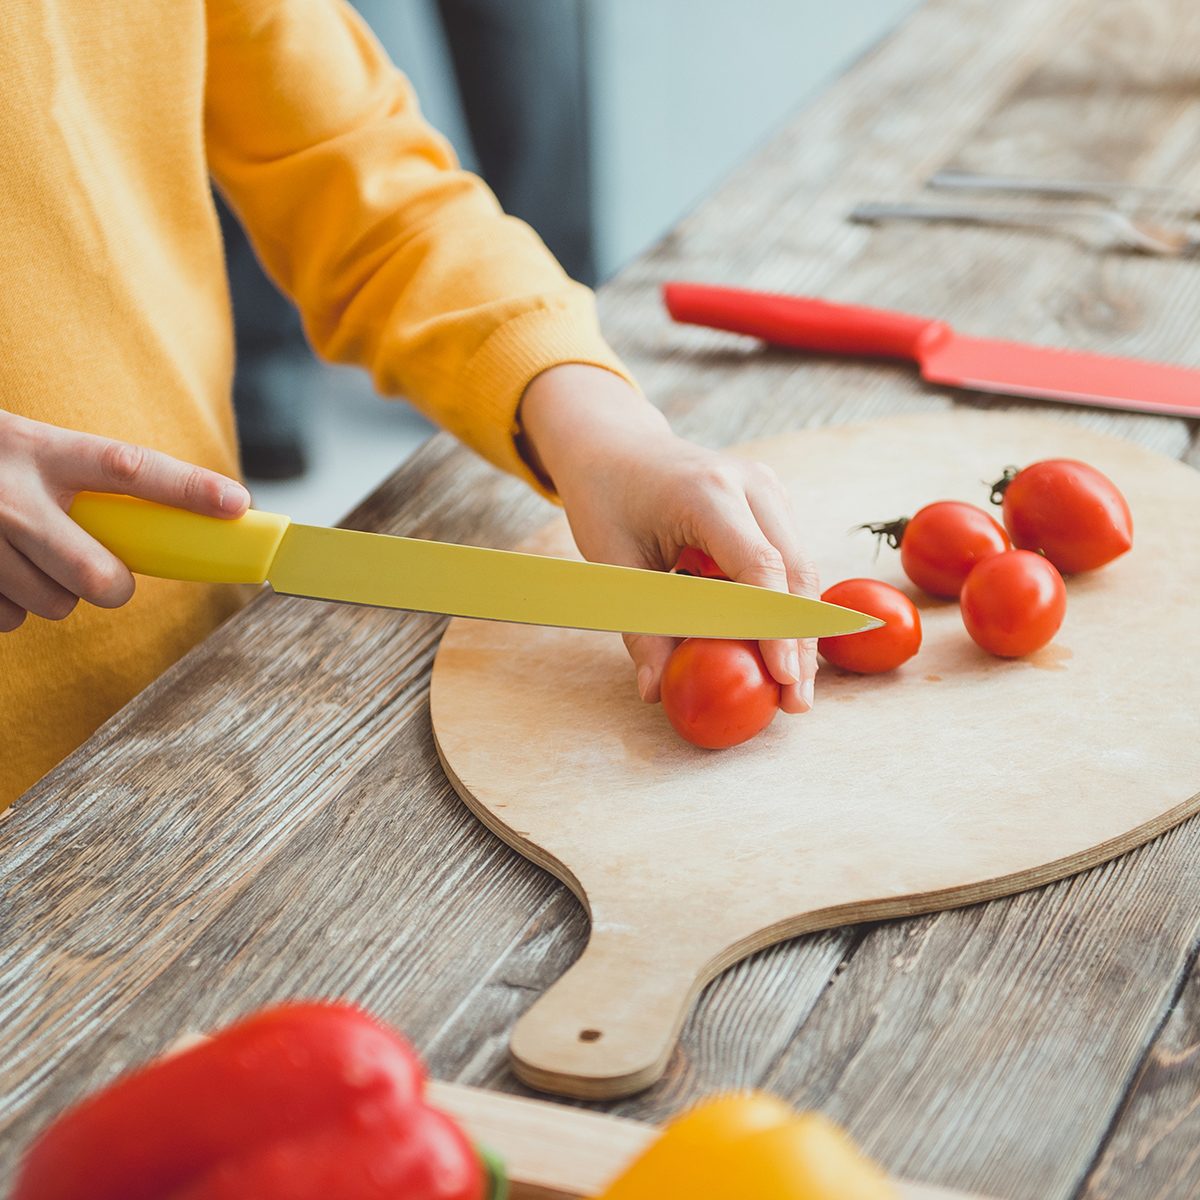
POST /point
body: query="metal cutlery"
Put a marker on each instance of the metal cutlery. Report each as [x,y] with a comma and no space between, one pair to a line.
[1119,230]
[1135,194]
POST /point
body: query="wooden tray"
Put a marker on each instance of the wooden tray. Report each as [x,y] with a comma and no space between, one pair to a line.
[556,1153]
[957,779]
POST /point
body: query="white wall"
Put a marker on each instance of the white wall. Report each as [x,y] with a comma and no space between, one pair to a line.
[685,89]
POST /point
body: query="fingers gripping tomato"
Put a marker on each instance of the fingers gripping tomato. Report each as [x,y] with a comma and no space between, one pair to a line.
[941,543]
[718,693]
[1068,511]
[876,650]
[1014,603]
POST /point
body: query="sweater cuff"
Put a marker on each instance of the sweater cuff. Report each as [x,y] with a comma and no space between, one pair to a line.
[513,355]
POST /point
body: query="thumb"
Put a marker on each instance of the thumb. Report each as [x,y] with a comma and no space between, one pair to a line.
[649,656]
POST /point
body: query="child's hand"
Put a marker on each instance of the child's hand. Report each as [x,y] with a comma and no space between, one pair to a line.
[636,495]
[47,563]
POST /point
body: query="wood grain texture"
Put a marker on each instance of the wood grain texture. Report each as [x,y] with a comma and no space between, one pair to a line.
[269,820]
[557,1153]
[897,795]
[1154,1151]
[1026,996]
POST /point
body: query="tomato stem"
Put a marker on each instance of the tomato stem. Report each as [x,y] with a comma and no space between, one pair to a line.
[891,532]
[1001,484]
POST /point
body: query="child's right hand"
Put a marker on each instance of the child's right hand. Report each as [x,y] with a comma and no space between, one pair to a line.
[47,563]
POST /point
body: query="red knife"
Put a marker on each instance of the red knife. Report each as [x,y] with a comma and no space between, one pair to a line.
[944,356]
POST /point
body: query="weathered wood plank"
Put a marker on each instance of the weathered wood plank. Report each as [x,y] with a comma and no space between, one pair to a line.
[555,1153]
[991,1044]
[1154,1150]
[1103,104]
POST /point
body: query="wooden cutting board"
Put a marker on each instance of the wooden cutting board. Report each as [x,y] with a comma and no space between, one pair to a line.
[552,1152]
[959,778]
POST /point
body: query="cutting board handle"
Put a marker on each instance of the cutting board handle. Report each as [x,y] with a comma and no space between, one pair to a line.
[609,1025]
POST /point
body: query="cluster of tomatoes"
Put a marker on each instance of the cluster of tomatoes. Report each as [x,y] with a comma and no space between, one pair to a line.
[1060,517]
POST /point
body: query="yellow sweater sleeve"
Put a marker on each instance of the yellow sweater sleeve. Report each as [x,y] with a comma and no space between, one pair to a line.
[398,260]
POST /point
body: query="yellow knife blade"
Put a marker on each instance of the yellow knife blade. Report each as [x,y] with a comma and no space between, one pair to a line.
[531,589]
[425,576]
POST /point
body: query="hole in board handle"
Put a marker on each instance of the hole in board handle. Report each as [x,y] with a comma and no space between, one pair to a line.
[590,1035]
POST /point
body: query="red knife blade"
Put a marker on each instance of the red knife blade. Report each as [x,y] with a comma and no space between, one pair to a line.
[944,356]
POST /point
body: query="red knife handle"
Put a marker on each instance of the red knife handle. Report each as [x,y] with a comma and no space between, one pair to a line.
[801,323]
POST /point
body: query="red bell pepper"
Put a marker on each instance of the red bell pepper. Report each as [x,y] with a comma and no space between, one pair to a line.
[303,1102]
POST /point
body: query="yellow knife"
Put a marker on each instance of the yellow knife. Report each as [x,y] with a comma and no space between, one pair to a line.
[439,577]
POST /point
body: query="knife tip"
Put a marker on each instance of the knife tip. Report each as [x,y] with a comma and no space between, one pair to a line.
[868,624]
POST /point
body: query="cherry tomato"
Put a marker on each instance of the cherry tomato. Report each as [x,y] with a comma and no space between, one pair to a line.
[942,542]
[1014,603]
[696,562]
[718,693]
[876,650]
[1069,511]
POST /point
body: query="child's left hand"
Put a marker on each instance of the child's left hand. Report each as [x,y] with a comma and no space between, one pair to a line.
[636,495]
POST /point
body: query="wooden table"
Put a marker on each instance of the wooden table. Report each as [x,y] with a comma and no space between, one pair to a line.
[269,820]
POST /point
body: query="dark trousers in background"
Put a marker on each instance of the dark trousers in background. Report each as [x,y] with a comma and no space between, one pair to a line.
[522,77]
[520,70]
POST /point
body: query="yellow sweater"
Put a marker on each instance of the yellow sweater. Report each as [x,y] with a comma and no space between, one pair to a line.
[114,316]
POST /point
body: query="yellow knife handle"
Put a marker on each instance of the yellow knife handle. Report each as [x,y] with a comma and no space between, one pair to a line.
[152,539]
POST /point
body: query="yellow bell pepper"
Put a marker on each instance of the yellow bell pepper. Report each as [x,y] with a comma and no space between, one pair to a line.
[751,1147]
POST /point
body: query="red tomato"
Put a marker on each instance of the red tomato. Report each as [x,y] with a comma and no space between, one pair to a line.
[718,693]
[1014,603]
[1069,511]
[696,562]
[942,542]
[877,650]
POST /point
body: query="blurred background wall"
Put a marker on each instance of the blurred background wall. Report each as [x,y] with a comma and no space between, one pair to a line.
[678,91]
